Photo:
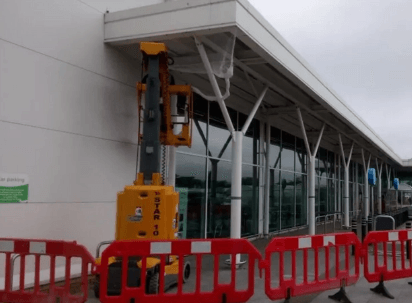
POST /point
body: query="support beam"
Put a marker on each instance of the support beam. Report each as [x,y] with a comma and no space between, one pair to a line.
[236,191]
[254,110]
[339,186]
[267,182]
[311,172]
[262,180]
[330,121]
[215,86]
[357,189]
[345,182]
[379,189]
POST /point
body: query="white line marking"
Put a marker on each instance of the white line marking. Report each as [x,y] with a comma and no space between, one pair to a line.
[328,239]
[6,246]
[201,247]
[160,248]
[305,242]
[393,236]
[37,247]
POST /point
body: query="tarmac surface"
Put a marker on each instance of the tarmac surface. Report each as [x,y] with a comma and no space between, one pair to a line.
[359,293]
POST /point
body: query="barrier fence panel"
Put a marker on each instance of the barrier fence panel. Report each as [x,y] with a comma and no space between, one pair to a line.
[36,249]
[316,256]
[386,258]
[162,253]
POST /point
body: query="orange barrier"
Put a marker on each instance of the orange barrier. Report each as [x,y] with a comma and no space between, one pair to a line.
[38,248]
[222,292]
[290,287]
[397,240]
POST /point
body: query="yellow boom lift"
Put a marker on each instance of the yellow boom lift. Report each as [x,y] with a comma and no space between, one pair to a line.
[148,209]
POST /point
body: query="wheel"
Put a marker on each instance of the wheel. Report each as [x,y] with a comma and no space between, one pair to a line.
[153,283]
[96,288]
[186,272]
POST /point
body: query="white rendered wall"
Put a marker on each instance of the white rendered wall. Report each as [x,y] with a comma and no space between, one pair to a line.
[67,120]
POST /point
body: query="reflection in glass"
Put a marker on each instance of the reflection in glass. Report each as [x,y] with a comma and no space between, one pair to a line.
[287,184]
[317,197]
[301,160]
[219,198]
[331,157]
[331,196]
[323,162]
[191,175]
[250,151]
[250,200]
[323,195]
[301,197]
[274,147]
[219,136]
[360,173]
[288,152]
[274,198]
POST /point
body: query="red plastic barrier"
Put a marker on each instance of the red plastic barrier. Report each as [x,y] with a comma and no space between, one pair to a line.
[216,247]
[382,272]
[38,248]
[289,287]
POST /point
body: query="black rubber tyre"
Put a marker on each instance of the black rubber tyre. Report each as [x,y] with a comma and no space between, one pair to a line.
[96,289]
[153,283]
[186,272]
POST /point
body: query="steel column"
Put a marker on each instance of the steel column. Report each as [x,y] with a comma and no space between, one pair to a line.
[345,181]
[236,191]
[346,197]
[357,189]
[267,182]
[311,194]
[311,173]
[339,185]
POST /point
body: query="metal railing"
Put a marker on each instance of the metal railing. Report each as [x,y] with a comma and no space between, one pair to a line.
[328,219]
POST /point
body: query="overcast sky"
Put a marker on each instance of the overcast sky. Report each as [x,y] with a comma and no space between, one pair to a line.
[363,50]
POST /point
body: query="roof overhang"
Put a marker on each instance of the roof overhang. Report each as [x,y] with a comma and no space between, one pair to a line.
[263,55]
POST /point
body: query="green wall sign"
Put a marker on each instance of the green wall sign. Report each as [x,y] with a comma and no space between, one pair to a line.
[14,188]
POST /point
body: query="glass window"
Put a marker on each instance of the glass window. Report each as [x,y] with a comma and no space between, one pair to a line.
[317,161]
[220,145]
[191,178]
[199,130]
[274,200]
[360,174]
[323,195]
[351,168]
[300,161]
[275,147]
[250,151]
[331,195]
[219,193]
[317,196]
[331,160]
[288,199]
[301,197]
[288,152]
[250,200]
[323,162]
